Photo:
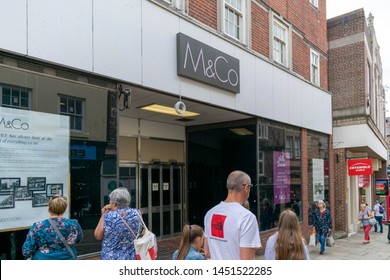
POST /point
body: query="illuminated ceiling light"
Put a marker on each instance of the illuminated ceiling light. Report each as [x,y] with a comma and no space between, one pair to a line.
[241,131]
[167,110]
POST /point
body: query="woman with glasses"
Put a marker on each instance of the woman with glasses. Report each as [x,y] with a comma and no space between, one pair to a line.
[43,242]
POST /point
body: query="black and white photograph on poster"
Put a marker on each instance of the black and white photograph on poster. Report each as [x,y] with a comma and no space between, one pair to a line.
[9,184]
[318,179]
[7,201]
[54,189]
[22,193]
[40,200]
[36,183]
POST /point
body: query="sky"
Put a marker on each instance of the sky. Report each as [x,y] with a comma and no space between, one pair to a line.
[380,10]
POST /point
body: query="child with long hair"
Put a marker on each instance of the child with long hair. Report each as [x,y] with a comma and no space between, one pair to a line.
[191,244]
[287,243]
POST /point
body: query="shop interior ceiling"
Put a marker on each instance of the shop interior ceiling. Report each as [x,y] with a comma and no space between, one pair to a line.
[208,114]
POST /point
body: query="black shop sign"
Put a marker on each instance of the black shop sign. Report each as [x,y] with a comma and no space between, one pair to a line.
[200,62]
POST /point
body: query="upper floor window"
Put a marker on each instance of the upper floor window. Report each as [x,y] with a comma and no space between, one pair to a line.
[314,3]
[15,97]
[297,147]
[261,164]
[293,147]
[314,68]
[175,3]
[234,19]
[280,42]
[74,108]
[263,131]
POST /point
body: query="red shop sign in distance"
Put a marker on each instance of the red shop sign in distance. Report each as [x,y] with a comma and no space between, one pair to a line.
[359,166]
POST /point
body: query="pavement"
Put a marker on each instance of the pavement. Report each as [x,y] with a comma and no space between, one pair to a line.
[352,248]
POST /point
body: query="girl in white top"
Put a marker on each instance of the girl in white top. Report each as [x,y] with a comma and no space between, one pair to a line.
[287,243]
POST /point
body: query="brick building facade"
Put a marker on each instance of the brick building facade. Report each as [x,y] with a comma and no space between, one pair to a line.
[355,81]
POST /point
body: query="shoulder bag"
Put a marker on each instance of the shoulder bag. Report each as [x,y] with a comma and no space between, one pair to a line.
[371,221]
[145,243]
[62,238]
[330,240]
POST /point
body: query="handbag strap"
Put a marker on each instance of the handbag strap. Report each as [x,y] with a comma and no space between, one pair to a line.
[142,222]
[127,226]
[62,238]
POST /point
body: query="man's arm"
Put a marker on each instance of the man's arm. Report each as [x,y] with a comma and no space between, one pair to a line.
[206,248]
[247,253]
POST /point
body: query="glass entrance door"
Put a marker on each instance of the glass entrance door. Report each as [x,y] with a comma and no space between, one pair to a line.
[161,198]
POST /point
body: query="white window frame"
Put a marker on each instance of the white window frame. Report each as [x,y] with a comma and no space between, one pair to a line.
[314,3]
[297,147]
[263,131]
[178,4]
[314,67]
[289,145]
[73,114]
[19,89]
[275,40]
[243,19]
[261,163]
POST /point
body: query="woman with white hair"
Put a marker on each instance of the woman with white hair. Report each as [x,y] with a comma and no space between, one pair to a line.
[322,221]
[118,227]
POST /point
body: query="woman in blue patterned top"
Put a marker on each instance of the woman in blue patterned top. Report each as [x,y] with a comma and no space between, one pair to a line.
[43,243]
[117,238]
[322,221]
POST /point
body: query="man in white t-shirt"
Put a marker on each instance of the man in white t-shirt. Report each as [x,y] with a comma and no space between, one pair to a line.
[231,231]
[378,216]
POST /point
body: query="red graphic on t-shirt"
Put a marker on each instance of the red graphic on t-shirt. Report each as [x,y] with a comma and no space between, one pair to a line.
[217,222]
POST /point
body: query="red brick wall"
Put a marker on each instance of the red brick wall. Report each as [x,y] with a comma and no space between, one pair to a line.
[309,20]
[306,229]
[260,30]
[347,63]
[324,72]
[347,76]
[205,11]
[349,24]
[340,221]
[301,57]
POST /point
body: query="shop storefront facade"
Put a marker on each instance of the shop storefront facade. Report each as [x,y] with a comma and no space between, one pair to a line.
[248,113]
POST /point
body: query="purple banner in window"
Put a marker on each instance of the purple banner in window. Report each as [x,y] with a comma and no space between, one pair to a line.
[281,178]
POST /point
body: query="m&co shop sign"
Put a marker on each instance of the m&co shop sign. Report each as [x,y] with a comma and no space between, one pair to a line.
[359,166]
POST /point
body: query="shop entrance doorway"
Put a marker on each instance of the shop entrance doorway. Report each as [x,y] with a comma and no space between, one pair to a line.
[160,198]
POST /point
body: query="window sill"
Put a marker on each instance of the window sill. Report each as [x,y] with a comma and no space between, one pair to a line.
[79,134]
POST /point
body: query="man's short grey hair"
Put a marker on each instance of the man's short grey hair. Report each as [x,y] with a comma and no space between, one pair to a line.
[236,180]
[121,197]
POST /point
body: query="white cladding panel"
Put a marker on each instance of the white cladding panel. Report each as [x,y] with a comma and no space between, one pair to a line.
[346,137]
[13,28]
[135,41]
[61,31]
[159,31]
[116,39]
[162,130]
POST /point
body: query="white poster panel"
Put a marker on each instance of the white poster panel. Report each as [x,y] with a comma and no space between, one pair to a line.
[34,165]
[318,179]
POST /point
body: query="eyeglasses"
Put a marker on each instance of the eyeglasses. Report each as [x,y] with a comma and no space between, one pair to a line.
[249,185]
